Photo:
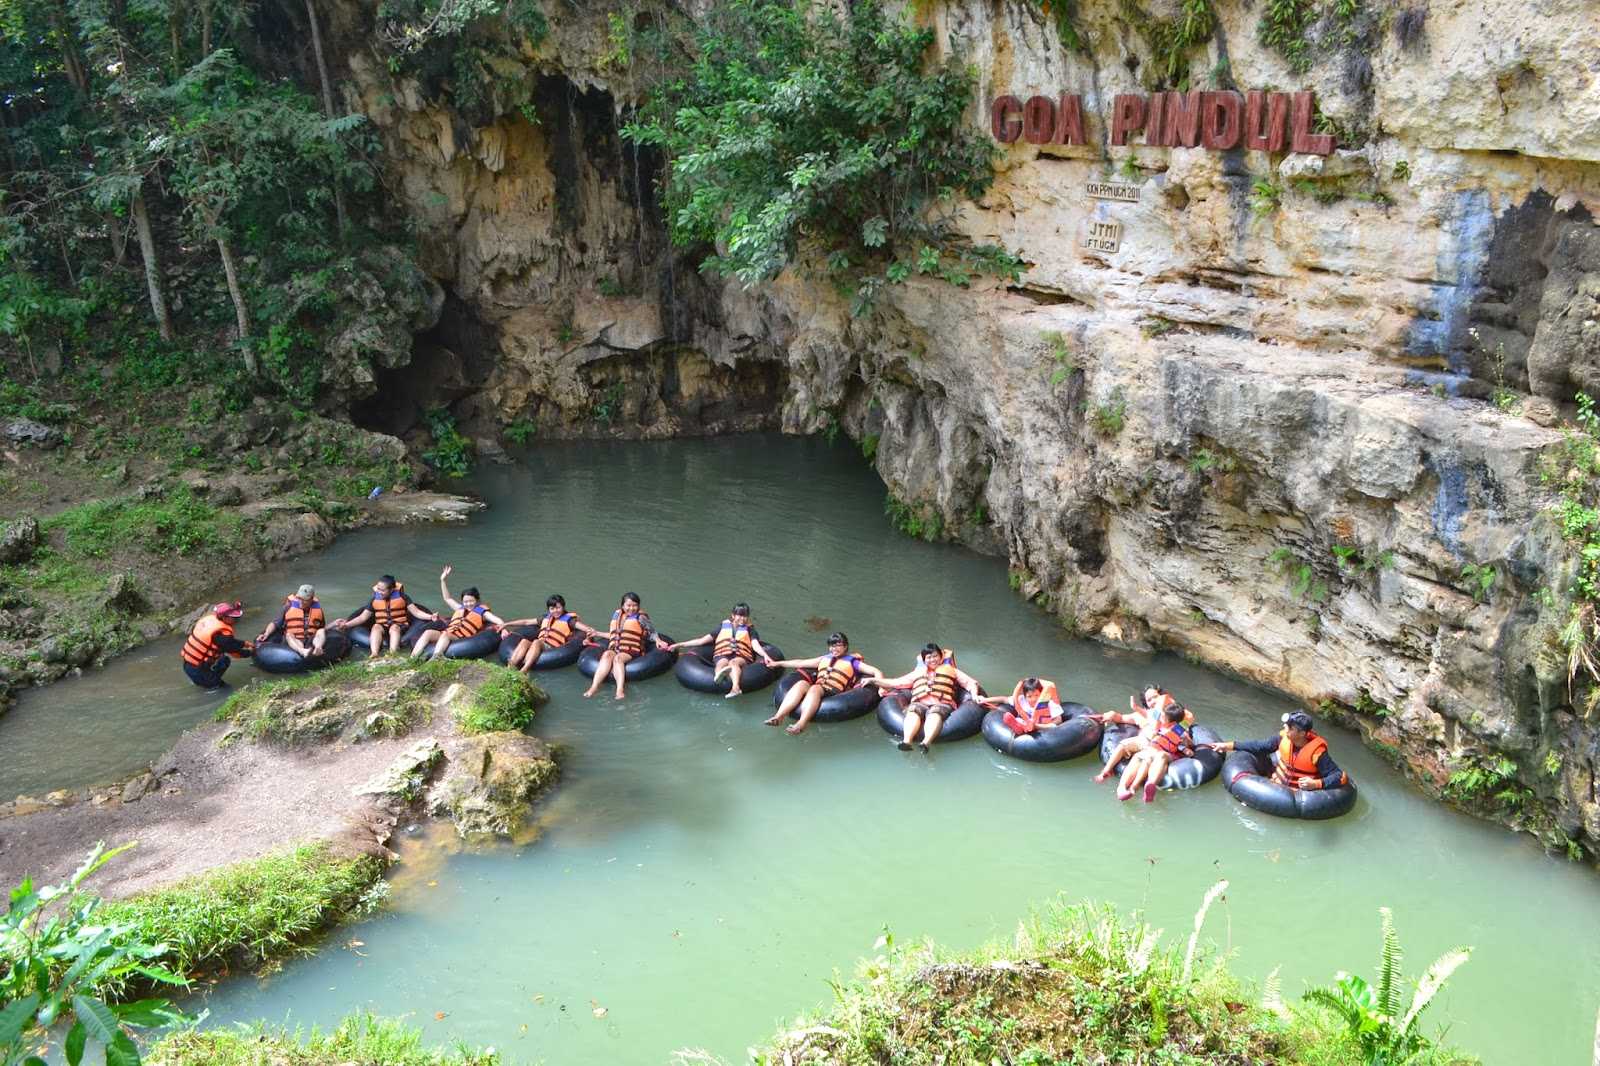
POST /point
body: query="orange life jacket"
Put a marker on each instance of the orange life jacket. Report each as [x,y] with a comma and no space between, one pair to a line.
[200,648]
[389,610]
[839,672]
[466,621]
[1038,712]
[558,630]
[1174,740]
[733,642]
[302,619]
[1293,765]
[626,633]
[939,685]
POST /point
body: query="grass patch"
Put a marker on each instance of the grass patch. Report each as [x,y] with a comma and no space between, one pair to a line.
[258,710]
[504,702]
[1078,983]
[175,523]
[361,1038]
[251,911]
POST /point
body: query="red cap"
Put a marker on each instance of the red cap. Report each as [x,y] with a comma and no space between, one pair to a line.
[228,610]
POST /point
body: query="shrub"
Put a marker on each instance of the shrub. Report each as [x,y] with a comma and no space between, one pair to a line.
[60,949]
[361,1038]
[451,453]
[253,910]
[503,702]
[174,523]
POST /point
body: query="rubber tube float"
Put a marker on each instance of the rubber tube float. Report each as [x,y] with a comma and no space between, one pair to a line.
[1249,780]
[965,721]
[1191,772]
[484,642]
[695,667]
[1076,735]
[362,636]
[838,707]
[654,661]
[276,657]
[550,658]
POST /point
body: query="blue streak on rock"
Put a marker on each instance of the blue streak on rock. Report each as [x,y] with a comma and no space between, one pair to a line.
[1451,502]
[1460,264]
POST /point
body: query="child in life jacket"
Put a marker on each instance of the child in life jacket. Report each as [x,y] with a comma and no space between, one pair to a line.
[1146,716]
[1171,740]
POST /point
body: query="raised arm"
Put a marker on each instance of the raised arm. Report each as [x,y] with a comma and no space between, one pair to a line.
[444,590]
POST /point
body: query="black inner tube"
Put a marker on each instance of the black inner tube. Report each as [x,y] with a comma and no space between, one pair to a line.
[549,659]
[654,661]
[1077,735]
[965,721]
[276,657]
[695,667]
[1248,780]
[838,707]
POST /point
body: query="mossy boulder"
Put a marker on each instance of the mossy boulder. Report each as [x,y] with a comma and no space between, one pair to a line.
[489,780]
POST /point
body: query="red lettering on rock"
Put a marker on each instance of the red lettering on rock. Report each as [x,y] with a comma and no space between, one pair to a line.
[1003,118]
[1304,140]
[1155,127]
[1127,115]
[1266,121]
[1183,119]
[1221,120]
[1069,120]
[1038,120]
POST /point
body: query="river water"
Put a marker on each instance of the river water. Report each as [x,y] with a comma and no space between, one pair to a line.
[698,879]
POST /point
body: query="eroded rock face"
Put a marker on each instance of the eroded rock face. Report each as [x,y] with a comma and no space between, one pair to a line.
[1269,447]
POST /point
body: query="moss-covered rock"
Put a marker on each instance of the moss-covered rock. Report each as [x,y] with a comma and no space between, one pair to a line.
[489,780]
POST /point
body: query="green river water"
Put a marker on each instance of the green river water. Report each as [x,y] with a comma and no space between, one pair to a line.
[702,877]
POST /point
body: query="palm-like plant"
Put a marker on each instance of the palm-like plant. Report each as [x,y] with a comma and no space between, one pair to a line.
[1372,1012]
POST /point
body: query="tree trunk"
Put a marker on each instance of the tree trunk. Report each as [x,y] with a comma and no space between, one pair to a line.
[119,238]
[152,267]
[205,28]
[327,100]
[240,312]
[67,40]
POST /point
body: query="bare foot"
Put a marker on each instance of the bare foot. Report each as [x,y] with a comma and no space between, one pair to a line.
[588,693]
[620,695]
[774,720]
[795,730]
[1124,794]
[1102,775]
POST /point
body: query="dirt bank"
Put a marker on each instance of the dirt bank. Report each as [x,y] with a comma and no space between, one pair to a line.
[341,757]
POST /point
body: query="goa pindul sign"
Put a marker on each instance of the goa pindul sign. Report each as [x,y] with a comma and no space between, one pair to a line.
[1257,121]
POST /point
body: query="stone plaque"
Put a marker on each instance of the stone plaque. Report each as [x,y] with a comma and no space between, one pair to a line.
[1112,190]
[1103,237]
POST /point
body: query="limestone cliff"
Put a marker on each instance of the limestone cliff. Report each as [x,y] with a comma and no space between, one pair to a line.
[1257,431]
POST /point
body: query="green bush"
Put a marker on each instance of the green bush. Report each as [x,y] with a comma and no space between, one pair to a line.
[253,911]
[921,521]
[59,949]
[798,125]
[451,453]
[505,701]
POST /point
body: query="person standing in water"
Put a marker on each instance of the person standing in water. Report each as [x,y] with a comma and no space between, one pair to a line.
[389,612]
[838,671]
[302,623]
[556,628]
[471,615]
[209,644]
[735,645]
[629,634]
[937,687]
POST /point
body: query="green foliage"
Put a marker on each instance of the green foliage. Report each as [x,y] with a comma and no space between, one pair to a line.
[1171,41]
[1481,781]
[799,126]
[361,1038]
[1552,763]
[1109,417]
[1156,326]
[608,405]
[1350,559]
[1401,171]
[1061,355]
[176,522]
[451,453]
[1264,197]
[1371,1014]
[60,950]
[1063,13]
[1303,580]
[1283,27]
[921,521]
[1480,580]
[505,701]
[520,431]
[251,911]
[869,446]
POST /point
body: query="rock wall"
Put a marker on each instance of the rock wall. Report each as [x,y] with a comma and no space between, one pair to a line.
[1258,432]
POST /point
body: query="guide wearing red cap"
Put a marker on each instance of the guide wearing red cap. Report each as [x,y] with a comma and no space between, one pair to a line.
[209,644]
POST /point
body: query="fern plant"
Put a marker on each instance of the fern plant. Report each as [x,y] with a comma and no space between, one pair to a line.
[1372,1012]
